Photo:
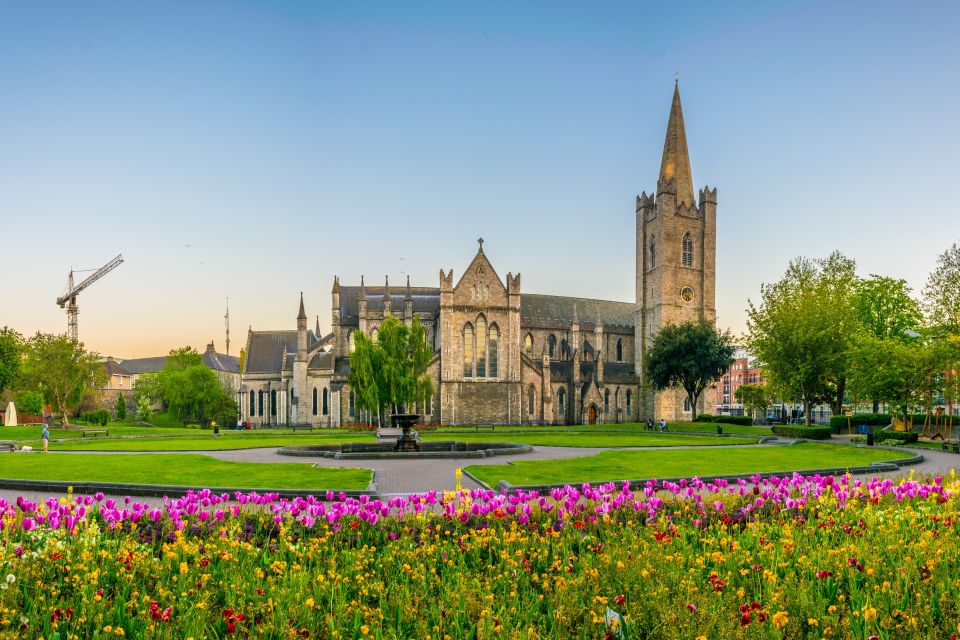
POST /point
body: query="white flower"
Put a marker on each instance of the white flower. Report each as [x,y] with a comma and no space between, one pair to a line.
[3,586]
[11,578]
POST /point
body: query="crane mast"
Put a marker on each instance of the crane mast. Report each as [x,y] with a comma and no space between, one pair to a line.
[69,299]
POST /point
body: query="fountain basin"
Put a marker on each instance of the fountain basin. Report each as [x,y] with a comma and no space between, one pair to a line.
[385,450]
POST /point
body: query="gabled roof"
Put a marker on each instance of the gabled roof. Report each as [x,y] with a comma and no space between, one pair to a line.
[265,354]
[535,307]
[221,361]
[145,365]
[114,368]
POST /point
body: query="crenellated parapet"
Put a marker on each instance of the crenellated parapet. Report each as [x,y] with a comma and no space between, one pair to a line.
[708,195]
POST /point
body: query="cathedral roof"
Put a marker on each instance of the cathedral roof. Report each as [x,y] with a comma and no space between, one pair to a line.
[267,348]
[675,165]
[321,360]
[535,307]
[425,300]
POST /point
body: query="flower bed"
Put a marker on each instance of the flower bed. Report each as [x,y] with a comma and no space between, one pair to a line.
[783,557]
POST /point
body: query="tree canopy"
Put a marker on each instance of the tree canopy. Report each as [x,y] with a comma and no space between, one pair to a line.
[803,330]
[11,357]
[189,389]
[941,294]
[885,308]
[62,369]
[754,397]
[390,374]
[691,355]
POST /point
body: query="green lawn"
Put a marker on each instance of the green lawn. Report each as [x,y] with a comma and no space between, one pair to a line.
[620,465]
[690,427]
[590,439]
[115,429]
[195,470]
[227,440]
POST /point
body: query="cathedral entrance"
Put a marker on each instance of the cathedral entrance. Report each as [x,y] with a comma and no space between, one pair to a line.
[592,414]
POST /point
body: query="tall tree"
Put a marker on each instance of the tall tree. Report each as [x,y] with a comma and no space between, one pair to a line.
[754,397]
[390,374]
[691,355]
[11,357]
[941,294]
[63,369]
[892,371]
[804,328]
[885,307]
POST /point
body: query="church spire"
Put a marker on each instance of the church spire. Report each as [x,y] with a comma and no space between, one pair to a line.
[303,314]
[676,159]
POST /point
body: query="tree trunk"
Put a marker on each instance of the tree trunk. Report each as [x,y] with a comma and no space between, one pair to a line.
[876,406]
[807,410]
[693,405]
[837,407]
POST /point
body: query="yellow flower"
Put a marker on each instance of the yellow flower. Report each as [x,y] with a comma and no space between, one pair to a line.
[309,603]
[780,619]
[813,622]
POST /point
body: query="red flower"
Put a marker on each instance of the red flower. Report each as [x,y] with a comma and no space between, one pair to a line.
[823,573]
[744,619]
[620,600]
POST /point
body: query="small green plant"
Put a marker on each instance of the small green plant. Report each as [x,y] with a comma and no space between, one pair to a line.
[121,407]
[143,408]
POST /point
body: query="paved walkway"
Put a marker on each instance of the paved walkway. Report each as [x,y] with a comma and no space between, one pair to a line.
[414,476]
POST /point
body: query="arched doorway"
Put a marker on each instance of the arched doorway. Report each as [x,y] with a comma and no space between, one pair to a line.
[592,414]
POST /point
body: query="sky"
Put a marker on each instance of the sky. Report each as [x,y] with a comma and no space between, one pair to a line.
[253,150]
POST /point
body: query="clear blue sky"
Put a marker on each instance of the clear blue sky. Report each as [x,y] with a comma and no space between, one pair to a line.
[254,150]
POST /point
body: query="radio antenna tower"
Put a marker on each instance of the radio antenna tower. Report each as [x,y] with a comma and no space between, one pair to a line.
[226,318]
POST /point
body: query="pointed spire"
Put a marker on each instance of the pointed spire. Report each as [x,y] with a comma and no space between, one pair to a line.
[676,159]
[317,330]
[303,314]
[386,290]
[363,289]
[408,296]
[336,285]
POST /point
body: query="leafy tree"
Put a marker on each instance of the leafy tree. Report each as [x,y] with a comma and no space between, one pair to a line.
[243,359]
[390,374]
[803,330]
[121,407]
[754,397]
[30,403]
[892,371]
[188,389]
[941,294]
[143,408]
[691,355]
[885,308]
[11,357]
[62,369]
[183,358]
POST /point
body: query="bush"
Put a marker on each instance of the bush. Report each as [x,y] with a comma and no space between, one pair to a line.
[99,417]
[745,421]
[891,443]
[800,431]
[902,437]
[839,423]
[705,417]
[121,407]
[858,440]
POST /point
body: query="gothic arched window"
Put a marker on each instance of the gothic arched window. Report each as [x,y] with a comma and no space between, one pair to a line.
[326,403]
[253,403]
[260,400]
[314,404]
[552,346]
[561,397]
[352,407]
[653,252]
[273,402]
[687,257]
[606,401]
[481,347]
[374,334]
[351,342]
[619,350]
[629,402]
[493,351]
[468,348]
[528,345]
[531,400]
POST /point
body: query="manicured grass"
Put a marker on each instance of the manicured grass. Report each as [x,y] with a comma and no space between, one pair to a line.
[239,440]
[619,465]
[115,429]
[591,439]
[179,469]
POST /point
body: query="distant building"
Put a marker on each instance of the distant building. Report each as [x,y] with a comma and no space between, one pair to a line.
[742,371]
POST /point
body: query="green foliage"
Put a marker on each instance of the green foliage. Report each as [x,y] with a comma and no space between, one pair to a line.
[704,417]
[872,419]
[941,294]
[690,355]
[29,403]
[744,421]
[892,371]
[188,389]
[183,358]
[390,374]
[801,431]
[11,357]
[121,410]
[100,417]
[901,437]
[143,408]
[885,308]
[803,330]
[62,369]
[754,397]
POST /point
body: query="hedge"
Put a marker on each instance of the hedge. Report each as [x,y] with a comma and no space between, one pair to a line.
[872,419]
[800,431]
[741,420]
[904,437]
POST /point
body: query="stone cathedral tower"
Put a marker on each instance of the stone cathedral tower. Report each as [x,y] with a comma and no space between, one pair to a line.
[676,262]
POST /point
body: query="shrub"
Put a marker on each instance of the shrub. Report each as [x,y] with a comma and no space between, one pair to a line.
[901,437]
[891,443]
[99,417]
[745,421]
[839,423]
[121,407]
[858,440]
[705,417]
[800,431]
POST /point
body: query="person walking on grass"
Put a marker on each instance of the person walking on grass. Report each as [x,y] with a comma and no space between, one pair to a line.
[45,438]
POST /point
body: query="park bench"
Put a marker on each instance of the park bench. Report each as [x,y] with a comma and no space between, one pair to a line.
[485,425]
[93,432]
[297,427]
[6,445]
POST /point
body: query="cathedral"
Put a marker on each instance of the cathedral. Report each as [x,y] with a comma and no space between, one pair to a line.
[506,357]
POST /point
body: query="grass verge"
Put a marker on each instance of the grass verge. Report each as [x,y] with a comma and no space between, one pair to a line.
[180,469]
[619,465]
[590,439]
[207,443]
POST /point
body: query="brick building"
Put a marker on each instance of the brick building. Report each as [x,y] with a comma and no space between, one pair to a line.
[507,357]
[741,372]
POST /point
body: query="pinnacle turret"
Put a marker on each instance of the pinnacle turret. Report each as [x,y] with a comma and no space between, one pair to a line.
[303,314]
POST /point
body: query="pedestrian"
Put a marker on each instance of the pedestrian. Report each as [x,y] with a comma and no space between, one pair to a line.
[663,424]
[649,424]
[45,438]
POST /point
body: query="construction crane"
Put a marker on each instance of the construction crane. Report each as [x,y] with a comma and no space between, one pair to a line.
[69,299]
